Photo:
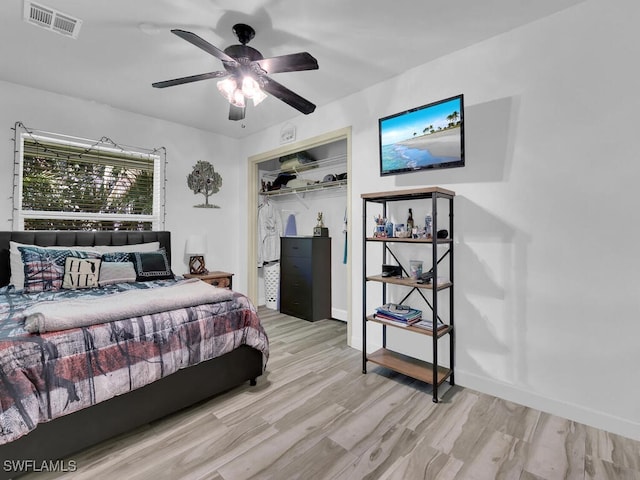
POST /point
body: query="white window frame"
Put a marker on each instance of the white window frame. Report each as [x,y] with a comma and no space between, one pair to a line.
[157,219]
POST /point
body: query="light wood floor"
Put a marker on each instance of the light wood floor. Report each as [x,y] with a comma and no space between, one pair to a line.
[314,415]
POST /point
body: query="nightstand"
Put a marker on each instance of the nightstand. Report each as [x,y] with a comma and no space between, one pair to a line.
[218,279]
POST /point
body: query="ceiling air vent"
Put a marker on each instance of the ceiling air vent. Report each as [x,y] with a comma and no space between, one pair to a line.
[51,19]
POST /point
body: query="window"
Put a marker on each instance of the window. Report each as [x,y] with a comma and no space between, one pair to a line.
[65,184]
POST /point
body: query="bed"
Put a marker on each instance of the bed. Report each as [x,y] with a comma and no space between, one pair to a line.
[85,409]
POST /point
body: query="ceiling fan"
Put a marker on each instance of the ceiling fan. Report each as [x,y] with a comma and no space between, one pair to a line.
[246,72]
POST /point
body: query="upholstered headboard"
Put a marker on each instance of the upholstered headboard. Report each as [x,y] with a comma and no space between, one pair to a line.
[75,238]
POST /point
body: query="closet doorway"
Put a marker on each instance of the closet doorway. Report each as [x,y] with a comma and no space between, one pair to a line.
[319,164]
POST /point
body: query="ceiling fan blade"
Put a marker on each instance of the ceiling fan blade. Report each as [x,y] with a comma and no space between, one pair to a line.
[204,45]
[287,96]
[288,63]
[236,113]
[189,79]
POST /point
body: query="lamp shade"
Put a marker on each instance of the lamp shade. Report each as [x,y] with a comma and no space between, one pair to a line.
[196,245]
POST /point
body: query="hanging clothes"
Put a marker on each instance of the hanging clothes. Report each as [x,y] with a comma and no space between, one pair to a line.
[345,231]
[269,233]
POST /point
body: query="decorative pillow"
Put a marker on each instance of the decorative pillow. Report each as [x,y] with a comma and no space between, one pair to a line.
[44,267]
[116,272]
[81,273]
[17,266]
[116,257]
[151,265]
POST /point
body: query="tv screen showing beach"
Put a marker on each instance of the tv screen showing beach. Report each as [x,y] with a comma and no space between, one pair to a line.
[431,136]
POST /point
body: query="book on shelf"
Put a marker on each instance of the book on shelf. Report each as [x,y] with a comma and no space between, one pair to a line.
[398,312]
[428,324]
[393,321]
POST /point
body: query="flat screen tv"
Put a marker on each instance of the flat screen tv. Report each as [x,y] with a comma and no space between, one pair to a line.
[426,137]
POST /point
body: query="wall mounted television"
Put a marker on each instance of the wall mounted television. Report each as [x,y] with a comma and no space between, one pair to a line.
[426,137]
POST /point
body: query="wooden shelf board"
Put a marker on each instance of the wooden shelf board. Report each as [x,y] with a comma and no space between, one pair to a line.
[412,367]
[422,331]
[407,282]
[408,240]
[407,194]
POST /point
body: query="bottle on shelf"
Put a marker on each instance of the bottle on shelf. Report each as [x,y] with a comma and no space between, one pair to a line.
[410,221]
[427,226]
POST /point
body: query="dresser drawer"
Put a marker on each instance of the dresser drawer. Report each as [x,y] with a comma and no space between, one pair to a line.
[222,282]
[216,278]
[296,247]
[296,267]
[296,304]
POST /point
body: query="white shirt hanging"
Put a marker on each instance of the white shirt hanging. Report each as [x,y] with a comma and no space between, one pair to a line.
[269,233]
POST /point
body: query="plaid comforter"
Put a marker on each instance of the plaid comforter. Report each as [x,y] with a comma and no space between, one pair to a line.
[45,376]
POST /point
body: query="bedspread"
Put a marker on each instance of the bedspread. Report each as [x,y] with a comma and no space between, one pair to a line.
[63,314]
[48,375]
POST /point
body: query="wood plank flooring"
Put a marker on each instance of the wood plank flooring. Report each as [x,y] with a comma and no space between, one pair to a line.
[314,415]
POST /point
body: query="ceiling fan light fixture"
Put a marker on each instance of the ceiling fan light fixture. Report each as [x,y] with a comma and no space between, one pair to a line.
[227,88]
[258,97]
[238,98]
[250,87]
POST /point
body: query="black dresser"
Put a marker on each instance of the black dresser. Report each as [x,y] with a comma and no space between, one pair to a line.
[305,277]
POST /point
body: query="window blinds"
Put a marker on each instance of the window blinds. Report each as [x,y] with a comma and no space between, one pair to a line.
[68,186]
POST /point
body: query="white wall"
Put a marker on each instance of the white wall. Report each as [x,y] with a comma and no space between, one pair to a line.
[546,264]
[547,284]
[185,146]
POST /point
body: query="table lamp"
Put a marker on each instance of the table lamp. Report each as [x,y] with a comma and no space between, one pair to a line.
[196,248]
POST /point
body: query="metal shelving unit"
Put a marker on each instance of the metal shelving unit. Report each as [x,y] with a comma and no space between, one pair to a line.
[429,372]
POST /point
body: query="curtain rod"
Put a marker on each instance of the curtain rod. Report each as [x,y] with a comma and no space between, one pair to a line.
[88,141]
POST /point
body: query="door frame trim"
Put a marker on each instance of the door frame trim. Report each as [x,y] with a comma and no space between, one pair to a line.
[252,202]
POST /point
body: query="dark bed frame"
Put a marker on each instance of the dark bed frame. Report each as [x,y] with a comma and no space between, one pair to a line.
[72,433]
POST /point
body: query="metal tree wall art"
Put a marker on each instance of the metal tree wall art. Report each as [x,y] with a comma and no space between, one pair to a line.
[205,180]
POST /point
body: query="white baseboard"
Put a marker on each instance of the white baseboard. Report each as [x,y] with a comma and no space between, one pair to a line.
[339,314]
[577,413]
[512,393]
